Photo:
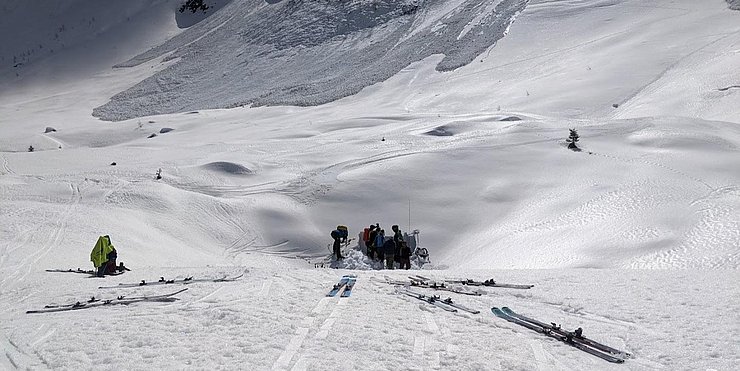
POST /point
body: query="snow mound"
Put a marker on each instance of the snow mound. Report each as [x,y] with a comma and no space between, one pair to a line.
[511,118]
[441,131]
[307,53]
[228,168]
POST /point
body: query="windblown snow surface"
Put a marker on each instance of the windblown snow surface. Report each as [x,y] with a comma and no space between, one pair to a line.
[449,117]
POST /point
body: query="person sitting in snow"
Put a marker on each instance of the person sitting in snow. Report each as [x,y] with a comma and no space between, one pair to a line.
[103,256]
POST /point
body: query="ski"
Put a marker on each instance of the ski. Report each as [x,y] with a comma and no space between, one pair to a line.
[442,287]
[82,271]
[348,287]
[339,285]
[418,282]
[547,332]
[98,303]
[78,270]
[94,300]
[449,302]
[391,281]
[576,336]
[91,300]
[490,283]
[162,281]
[434,300]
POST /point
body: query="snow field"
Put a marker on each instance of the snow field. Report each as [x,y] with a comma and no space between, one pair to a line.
[280,319]
[259,189]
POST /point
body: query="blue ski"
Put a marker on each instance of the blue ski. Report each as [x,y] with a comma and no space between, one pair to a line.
[338,287]
[348,287]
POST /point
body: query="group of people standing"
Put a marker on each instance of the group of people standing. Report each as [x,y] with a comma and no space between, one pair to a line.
[390,250]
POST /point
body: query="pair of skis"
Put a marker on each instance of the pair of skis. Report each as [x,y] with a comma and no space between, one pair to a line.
[436,300]
[162,281]
[574,339]
[93,302]
[490,283]
[421,281]
[345,286]
[469,282]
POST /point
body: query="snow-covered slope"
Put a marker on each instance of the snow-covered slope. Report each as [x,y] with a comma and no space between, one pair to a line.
[474,157]
[76,35]
[308,52]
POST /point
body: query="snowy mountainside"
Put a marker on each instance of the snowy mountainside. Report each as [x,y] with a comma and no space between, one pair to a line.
[75,29]
[636,238]
[448,134]
[308,52]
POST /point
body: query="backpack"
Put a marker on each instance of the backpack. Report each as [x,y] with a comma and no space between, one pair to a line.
[366,234]
[343,231]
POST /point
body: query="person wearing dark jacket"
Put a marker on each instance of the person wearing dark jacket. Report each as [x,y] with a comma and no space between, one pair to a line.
[337,236]
[370,242]
[379,241]
[405,253]
[389,250]
[397,235]
[397,238]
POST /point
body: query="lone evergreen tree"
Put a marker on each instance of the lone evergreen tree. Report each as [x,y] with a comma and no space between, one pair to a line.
[194,6]
[572,139]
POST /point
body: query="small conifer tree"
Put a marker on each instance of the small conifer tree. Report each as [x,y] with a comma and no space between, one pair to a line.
[572,139]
